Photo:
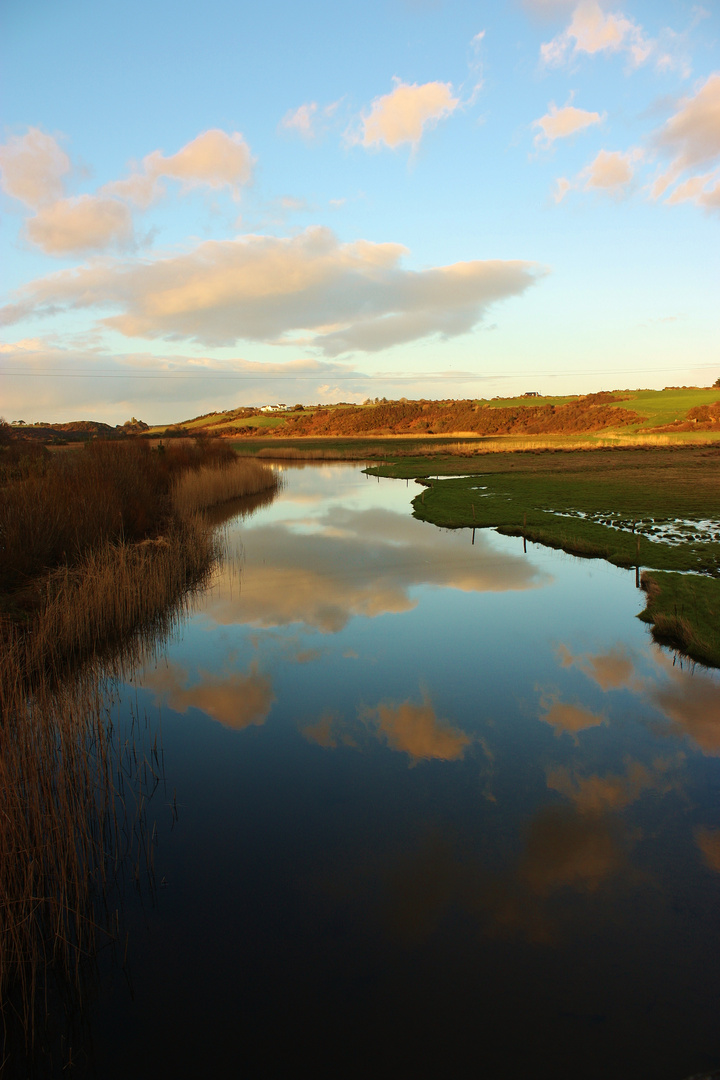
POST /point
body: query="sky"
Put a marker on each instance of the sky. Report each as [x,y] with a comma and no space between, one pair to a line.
[211,205]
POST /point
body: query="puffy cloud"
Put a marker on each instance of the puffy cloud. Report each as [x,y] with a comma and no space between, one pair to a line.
[611,172]
[402,115]
[213,159]
[692,136]
[83,224]
[560,123]
[415,730]
[233,699]
[33,170]
[265,288]
[592,31]
[33,166]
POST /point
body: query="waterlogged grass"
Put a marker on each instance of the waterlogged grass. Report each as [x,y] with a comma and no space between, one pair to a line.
[684,610]
[658,509]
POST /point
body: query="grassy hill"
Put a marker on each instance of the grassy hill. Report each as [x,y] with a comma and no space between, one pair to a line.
[680,411]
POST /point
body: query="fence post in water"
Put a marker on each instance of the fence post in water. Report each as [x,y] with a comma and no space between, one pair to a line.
[473,535]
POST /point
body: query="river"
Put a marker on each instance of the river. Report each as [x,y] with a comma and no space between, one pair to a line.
[432,805]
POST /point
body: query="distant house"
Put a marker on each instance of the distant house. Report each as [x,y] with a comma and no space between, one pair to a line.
[531,393]
[273,408]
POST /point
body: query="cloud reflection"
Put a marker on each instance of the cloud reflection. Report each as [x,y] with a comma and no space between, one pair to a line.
[322,572]
[708,840]
[611,670]
[415,730]
[567,718]
[234,699]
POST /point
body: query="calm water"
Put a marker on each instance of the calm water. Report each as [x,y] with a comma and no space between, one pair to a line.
[437,803]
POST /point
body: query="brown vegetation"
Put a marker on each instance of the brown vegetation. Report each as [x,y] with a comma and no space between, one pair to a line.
[591,413]
[699,418]
[209,485]
[98,549]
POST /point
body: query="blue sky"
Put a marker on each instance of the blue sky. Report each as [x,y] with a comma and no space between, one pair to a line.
[212,205]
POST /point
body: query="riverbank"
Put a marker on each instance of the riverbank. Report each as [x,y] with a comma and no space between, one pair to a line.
[658,509]
[100,550]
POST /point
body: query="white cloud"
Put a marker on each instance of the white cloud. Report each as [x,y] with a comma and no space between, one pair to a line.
[403,115]
[83,224]
[46,381]
[592,31]
[561,123]
[33,167]
[213,159]
[308,290]
[610,172]
[692,136]
[300,120]
[703,190]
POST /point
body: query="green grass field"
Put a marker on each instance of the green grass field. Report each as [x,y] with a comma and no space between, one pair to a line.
[658,509]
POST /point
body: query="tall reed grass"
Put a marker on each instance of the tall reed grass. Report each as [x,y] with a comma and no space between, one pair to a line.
[209,485]
[89,582]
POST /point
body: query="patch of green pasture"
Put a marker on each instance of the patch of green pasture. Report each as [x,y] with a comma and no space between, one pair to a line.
[684,610]
[611,504]
[661,407]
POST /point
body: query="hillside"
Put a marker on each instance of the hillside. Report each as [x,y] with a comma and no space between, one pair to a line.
[680,411]
[675,409]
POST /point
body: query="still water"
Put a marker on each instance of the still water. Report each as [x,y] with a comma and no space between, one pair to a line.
[431,808]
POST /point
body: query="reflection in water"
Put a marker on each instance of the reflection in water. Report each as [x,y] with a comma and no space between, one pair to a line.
[415,730]
[565,848]
[566,718]
[708,840]
[595,794]
[610,671]
[538,882]
[234,699]
[687,695]
[323,571]
[690,699]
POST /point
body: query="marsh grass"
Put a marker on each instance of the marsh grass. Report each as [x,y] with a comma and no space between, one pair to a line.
[684,611]
[90,597]
[340,453]
[210,485]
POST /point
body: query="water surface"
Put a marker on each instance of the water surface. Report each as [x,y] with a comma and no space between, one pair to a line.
[427,801]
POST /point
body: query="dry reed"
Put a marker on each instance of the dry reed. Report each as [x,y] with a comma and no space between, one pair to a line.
[73,793]
[209,485]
